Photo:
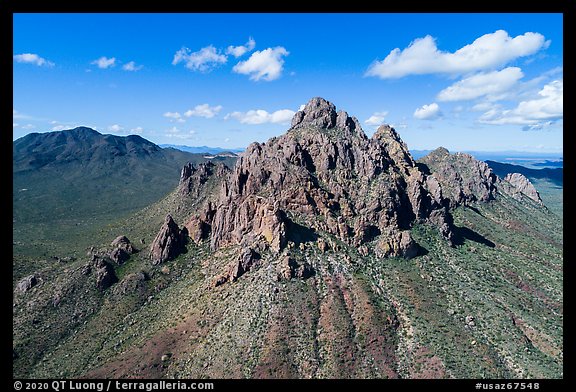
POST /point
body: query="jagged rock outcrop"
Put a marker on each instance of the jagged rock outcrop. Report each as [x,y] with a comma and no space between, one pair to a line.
[327,173]
[103,271]
[119,256]
[198,229]
[238,267]
[169,242]
[121,250]
[27,283]
[290,268]
[463,178]
[193,179]
[122,242]
[522,185]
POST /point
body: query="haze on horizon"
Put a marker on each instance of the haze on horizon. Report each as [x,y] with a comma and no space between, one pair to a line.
[229,79]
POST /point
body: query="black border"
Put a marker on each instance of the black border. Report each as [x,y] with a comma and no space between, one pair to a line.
[566,7]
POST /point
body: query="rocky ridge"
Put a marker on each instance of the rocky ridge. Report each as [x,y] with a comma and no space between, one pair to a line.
[522,185]
[326,172]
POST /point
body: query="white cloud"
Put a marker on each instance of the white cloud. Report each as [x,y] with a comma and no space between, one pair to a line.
[481,84]
[137,131]
[203,60]
[238,51]
[14,125]
[174,116]
[266,64]
[377,118]
[262,116]
[16,115]
[547,106]
[131,66]
[115,128]
[28,127]
[484,106]
[104,62]
[60,127]
[32,58]
[486,52]
[203,110]
[301,107]
[428,112]
[179,134]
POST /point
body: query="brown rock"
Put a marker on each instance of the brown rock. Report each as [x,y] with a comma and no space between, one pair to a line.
[463,178]
[198,230]
[397,244]
[104,272]
[245,261]
[169,242]
[122,242]
[132,283]
[119,256]
[289,268]
[327,173]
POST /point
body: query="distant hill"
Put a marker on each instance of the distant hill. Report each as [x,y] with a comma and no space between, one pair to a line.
[201,149]
[63,178]
[554,175]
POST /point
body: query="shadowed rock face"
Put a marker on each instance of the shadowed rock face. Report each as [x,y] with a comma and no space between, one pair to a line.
[193,178]
[522,185]
[326,172]
[463,178]
[169,242]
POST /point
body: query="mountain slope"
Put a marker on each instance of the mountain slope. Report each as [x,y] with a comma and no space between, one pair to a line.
[548,181]
[322,254]
[79,177]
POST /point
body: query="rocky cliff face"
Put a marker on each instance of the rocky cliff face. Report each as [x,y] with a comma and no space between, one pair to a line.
[522,185]
[327,173]
[463,178]
[169,242]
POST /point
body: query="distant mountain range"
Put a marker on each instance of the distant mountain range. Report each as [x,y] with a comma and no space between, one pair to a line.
[201,149]
[81,171]
[556,175]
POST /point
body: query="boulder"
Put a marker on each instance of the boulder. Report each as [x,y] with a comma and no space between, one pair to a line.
[122,242]
[290,268]
[119,256]
[104,273]
[27,283]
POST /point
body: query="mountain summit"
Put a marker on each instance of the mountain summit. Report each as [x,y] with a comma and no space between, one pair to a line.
[326,174]
[322,253]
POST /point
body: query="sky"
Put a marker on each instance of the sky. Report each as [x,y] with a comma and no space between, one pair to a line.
[467,82]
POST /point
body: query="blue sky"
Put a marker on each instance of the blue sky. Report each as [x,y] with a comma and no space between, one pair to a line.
[484,82]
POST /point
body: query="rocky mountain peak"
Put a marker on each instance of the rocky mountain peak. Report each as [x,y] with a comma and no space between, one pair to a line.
[360,190]
[321,113]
